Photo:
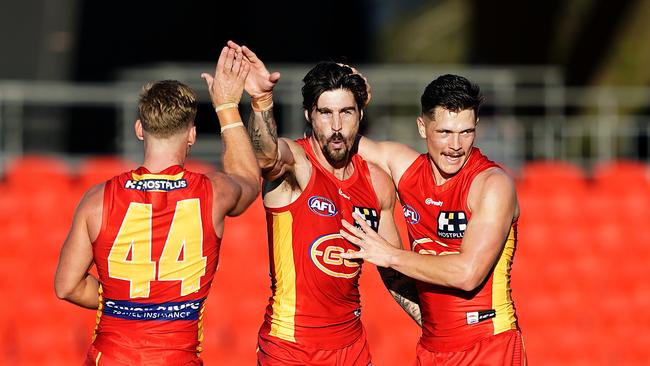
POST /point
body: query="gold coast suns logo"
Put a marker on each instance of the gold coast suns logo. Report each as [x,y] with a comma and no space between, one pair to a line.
[326,255]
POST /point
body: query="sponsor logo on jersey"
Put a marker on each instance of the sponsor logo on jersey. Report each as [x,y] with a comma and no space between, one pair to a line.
[369,214]
[452,224]
[342,194]
[479,316]
[410,215]
[429,201]
[326,253]
[185,310]
[322,206]
[159,185]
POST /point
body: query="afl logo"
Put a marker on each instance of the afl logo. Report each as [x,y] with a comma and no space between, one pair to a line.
[410,215]
[326,253]
[321,206]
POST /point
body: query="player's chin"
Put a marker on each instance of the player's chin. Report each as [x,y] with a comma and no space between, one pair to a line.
[338,155]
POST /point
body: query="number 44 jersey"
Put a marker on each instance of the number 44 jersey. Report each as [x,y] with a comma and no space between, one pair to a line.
[156,255]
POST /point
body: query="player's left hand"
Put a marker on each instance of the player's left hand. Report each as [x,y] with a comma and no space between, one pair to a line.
[227,84]
[372,247]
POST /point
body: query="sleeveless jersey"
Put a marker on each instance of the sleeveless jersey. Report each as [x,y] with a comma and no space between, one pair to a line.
[436,218]
[315,297]
[156,255]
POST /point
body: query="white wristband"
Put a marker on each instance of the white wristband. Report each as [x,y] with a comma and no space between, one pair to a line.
[223,106]
[232,125]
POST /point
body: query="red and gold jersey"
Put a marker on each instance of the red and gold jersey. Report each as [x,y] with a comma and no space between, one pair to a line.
[156,255]
[436,217]
[315,300]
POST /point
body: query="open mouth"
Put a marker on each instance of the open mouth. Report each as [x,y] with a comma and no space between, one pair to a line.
[336,141]
[453,158]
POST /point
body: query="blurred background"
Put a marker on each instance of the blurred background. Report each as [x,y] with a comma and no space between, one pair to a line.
[567,112]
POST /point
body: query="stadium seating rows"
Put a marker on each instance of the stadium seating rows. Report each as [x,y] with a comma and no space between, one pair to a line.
[580,277]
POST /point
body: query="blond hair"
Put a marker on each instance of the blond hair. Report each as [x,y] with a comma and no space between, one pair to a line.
[166,107]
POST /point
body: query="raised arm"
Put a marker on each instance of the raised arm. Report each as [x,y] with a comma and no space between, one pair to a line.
[226,87]
[400,286]
[72,282]
[273,154]
[494,206]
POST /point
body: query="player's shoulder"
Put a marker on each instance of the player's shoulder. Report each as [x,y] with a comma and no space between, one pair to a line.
[92,200]
[494,179]
[381,181]
[222,183]
[296,148]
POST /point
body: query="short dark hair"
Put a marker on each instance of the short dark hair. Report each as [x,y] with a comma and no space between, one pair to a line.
[326,76]
[452,92]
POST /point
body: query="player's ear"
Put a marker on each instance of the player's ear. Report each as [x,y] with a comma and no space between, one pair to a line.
[361,113]
[422,127]
[307,116]
[139,131]
[191,138]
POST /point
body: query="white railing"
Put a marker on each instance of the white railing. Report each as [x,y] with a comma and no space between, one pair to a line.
[529,113]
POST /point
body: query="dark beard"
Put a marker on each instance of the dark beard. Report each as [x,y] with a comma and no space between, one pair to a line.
[338,156]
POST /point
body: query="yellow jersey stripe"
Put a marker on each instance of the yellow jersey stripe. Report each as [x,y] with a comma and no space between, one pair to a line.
[199,347]
[284,300]
[98,314]
[501,299]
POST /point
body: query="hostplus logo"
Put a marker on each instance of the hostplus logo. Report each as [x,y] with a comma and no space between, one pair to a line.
[452,224]
[161,185]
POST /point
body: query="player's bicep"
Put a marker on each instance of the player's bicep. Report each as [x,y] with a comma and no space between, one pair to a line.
[76,255]
[284,162]
[493,206]
[227,198]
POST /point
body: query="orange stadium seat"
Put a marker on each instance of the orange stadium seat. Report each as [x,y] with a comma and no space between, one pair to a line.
[552,192]
[545,175]
[32,172]
[98,169]
[622,175]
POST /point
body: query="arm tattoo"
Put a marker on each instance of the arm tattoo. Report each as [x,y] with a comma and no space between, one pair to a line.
[254,133]
[271,126]
[403,290]
[263,133]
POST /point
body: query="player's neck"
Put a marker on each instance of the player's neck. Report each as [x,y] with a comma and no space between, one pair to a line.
[341,170]
[158,157]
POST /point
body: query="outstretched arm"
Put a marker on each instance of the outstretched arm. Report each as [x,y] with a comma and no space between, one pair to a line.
[273,155]
[493,202]
[226,87]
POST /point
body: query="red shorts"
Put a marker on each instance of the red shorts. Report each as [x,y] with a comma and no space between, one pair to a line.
[277,352]
[503,349]
[94,357]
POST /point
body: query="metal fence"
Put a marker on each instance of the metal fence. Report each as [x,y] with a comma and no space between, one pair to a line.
[529,112]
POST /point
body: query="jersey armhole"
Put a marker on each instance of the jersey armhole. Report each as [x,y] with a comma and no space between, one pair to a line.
[209,206]
[107,202]
[408,173]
